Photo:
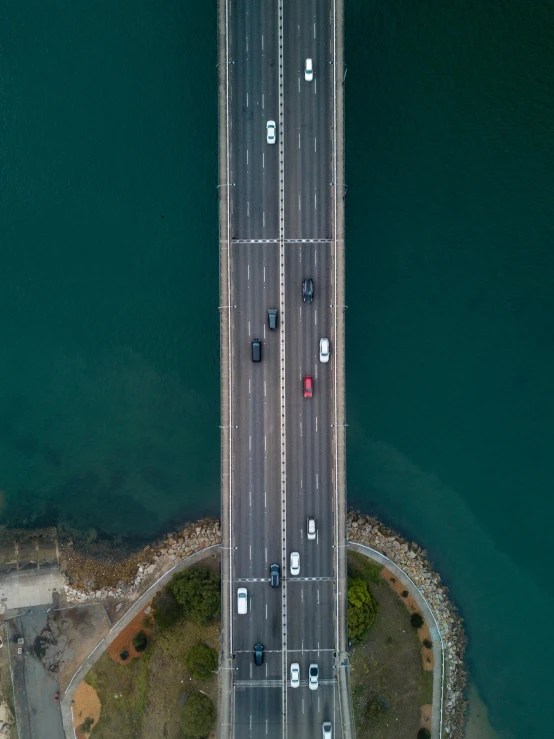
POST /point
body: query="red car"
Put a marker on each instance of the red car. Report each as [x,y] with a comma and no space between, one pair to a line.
[56,697]
[308,387]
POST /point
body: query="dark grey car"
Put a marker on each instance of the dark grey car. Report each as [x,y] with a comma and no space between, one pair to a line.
[258,654]
[272,318]
[308,290]
[275,572]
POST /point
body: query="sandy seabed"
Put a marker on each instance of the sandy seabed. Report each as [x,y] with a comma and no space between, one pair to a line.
[477,725]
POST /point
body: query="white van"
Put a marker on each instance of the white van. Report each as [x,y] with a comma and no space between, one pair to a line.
[242,600]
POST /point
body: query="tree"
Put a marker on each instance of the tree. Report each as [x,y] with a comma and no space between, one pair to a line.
[423,734]
[166,609]
[201,661]
[198,590]
[416,620]
[362,609]
[140,641]
[86,726]
[198,716]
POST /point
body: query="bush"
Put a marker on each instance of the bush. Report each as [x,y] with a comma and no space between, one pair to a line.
[405,593]
[123,655]
[86,726]
[362,609]
[140,641]
[166,609]
[416,620]
[198,716]
[201,661]
[428,643]
[198,590]
[375,707]
[423,734]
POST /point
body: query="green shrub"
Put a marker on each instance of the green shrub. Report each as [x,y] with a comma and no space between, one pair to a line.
[198,590]
[405,593]
[198,716]
[86,726]
[362,609]
[166,609]
[140,641]
[428,643]
[423,734]
[416,620]
[375,707]
[123,655]
[201,661]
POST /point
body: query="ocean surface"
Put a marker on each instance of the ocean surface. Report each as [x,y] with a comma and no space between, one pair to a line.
[109,374]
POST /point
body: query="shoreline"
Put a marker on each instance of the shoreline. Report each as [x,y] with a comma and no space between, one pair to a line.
[87,579]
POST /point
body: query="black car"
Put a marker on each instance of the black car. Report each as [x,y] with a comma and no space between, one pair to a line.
[272,318]
[258,654]
[274,570]
[308,290]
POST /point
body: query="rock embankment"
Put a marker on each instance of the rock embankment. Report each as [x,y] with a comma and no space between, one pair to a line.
[412,559]
[88,579]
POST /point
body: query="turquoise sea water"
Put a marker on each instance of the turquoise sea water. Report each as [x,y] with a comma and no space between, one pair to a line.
[109,379]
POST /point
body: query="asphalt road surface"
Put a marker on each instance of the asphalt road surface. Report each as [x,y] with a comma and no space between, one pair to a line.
[304,614]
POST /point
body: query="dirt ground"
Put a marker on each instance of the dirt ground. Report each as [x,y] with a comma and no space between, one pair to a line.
[124,641]
[427,657]
[389,684]
[86,705]
[70,636]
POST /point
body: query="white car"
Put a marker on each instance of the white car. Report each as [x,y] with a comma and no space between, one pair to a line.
[313,677]
[242,600]
[294,675]
[327,730]
[294,563]
[308,71]
[311,529]
[324,350]
[271,129]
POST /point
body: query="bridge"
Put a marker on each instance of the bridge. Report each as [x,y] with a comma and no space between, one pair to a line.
[281,196]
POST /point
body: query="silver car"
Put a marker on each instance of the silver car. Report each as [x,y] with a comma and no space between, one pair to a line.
[313,681]
[324,350]
[327,730]
[271,129]
[294,563]
[294,675]
[308,71]
[242,600]
[311,533]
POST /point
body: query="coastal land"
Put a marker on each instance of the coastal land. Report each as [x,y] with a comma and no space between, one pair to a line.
[124,589]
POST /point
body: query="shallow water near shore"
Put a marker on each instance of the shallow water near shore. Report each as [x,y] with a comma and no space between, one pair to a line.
[109,384]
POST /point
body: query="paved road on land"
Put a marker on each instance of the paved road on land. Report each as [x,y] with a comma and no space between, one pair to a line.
[259,531]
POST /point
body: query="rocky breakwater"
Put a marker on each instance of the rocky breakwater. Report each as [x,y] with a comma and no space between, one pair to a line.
[88,579]
[412,559]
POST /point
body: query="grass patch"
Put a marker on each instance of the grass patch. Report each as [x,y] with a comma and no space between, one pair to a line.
[361,566]
[143,698]
[389,684]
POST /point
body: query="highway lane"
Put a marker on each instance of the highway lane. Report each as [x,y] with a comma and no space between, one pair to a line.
[255,390]
[256,512]
[308,191]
